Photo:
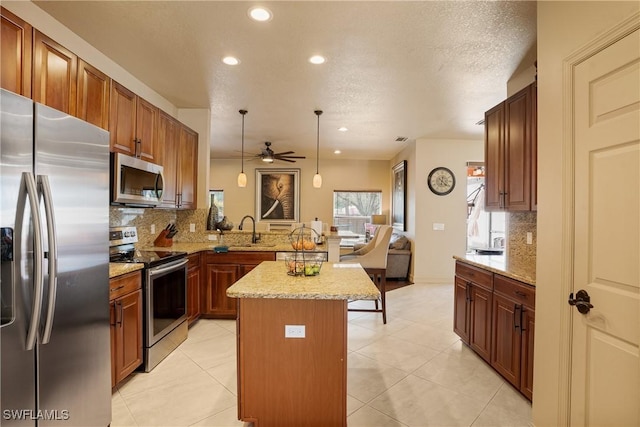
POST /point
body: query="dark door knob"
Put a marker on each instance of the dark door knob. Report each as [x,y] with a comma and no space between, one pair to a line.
[582,301]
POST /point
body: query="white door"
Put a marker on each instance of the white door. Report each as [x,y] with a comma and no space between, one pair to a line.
[605,373]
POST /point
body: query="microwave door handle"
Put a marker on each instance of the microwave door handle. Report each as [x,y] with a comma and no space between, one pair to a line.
[29,190]
[45,188]
[159,187]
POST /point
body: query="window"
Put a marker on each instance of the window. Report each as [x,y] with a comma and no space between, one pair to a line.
[352,210]
[485,230]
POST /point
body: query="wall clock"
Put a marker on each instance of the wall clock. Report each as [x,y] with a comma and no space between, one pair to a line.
[441,181]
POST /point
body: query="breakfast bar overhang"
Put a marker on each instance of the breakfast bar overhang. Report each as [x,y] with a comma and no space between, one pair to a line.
[292,343]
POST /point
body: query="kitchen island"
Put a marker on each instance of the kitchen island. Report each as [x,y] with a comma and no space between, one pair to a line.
[292,343]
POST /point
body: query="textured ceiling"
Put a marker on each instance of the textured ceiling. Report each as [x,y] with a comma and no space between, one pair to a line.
[419,69]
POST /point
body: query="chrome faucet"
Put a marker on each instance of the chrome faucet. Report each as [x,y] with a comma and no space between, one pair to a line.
[254,238]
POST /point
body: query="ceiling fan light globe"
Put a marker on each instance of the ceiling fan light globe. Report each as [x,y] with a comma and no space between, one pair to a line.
[267,159]
[242,179]
[317,181]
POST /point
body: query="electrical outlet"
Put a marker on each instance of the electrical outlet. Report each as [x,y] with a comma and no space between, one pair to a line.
[153,229]
[192,228]
[529,238]
[213,237]
[294,331]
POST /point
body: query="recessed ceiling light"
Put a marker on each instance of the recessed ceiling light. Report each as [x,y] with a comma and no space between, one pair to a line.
[337,152]
[260,14]
[343,129]
[317,59]
[230,60]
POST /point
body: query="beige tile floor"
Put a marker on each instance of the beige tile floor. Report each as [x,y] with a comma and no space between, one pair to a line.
[413,371]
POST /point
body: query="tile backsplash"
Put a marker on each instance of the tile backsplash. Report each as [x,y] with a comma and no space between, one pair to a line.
[519,224]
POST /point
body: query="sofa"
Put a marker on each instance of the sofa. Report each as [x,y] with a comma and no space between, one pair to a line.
[398,258]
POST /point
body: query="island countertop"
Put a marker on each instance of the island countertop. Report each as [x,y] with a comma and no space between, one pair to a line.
[335,282]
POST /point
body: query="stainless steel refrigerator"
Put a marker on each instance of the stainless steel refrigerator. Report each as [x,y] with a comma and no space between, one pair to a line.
[54,219]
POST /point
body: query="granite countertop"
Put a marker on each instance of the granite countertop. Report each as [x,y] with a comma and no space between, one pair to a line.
[120,268]
[522,271]
[335,282]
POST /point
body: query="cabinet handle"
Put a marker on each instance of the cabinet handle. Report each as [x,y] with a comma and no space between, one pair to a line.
[118,288]
[522,328]
[469,292]
[119,311]
[517,316]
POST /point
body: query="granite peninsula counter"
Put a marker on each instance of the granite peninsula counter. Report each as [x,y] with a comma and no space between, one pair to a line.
[292,343]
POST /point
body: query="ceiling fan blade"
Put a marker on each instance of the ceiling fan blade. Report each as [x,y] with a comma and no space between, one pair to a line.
[285,160]
[290,157]
[284,153]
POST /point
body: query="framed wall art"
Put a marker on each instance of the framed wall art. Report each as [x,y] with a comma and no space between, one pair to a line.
[399,197]
[278,195]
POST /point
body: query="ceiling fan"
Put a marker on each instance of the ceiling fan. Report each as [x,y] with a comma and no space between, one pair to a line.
[267,155]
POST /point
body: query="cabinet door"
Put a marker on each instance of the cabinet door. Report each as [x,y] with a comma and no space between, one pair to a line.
[460,309]
[193,288]
[528,332]
[493,157]
[93,95]
[122,120]
[54,74]
[168,141]
[218,278]
[146,130]
[187,168]
[517,151]
[505,349]
[129,335]
[480,321]
[15,54]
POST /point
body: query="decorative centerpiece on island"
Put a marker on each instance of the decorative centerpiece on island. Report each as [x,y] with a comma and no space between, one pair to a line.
[303,261]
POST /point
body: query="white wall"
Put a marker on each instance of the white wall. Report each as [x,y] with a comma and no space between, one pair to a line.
[433,262]
[563,27]
[315,202]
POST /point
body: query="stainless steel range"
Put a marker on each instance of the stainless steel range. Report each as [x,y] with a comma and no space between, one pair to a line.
[164,295]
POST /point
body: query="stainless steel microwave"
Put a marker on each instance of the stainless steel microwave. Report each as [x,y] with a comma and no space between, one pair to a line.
[135,182]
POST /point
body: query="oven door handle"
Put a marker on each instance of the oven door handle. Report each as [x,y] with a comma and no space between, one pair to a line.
[168,267]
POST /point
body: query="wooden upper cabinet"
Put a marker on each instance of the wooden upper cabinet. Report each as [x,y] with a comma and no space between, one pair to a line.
[188,168]
[93,95]
[493,155]
[169,141]
[133,124]
[510,153]
[54,74]
[15,54]
[534,147]
[517,153]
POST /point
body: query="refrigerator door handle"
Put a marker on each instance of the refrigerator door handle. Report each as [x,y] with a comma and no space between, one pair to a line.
[45,189]
[28,189]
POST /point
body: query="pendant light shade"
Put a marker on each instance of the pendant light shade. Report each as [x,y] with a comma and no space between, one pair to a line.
[242,177]
[317,178]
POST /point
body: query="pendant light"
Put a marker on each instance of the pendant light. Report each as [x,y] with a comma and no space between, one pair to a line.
[242,177]
[317,179]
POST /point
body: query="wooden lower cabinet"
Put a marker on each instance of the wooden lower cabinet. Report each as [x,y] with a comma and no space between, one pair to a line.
[126,325]
[495,316]
[289,381]
[220,271]
[193,288]
[472,310]
[513,332]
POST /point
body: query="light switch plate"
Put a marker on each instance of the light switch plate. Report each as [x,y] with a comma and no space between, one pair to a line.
[192,228]
[153,229]
[294,331]
[529,238]
[438,226]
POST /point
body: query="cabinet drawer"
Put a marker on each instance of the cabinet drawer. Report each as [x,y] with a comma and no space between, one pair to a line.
[193,261]
[124,284]
[518,291]
[473,274]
